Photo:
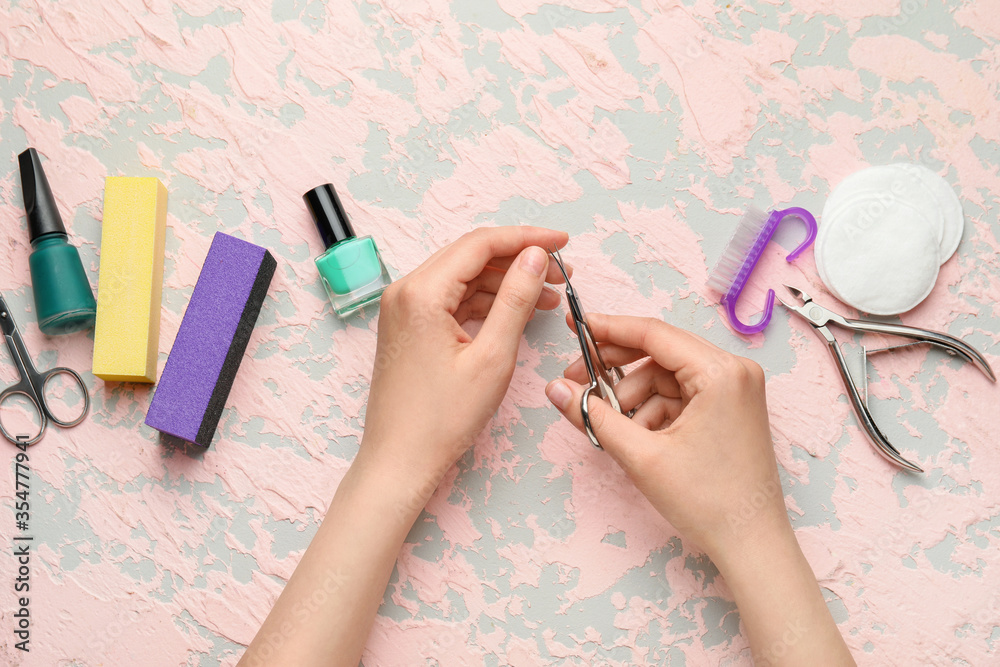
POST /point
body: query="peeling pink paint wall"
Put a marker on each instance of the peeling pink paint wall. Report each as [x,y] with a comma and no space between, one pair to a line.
[641,127]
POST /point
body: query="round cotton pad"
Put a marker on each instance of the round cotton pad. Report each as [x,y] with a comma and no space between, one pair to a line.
[951,208]
[859,183]
[881,259]
[887,185]
[916,185]
[818,258]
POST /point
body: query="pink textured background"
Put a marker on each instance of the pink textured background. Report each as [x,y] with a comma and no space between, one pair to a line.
[643,128]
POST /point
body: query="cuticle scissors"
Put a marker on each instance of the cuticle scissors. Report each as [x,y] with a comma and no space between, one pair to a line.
[32,383]
[602,384]
[819,317]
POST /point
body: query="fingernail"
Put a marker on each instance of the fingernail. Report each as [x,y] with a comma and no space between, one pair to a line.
[534,260]
[559,394]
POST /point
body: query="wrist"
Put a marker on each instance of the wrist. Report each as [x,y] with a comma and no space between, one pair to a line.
[755,546]
[780,601]
[404,484]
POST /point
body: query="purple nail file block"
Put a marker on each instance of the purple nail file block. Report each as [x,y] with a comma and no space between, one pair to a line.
[212,340]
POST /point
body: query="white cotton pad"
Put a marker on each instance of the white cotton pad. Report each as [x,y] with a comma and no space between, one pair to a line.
[878,254]
[887,185]
[915,185]
[818,257]
[951,208]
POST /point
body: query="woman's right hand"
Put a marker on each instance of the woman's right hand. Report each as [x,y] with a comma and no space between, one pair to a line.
[699,446]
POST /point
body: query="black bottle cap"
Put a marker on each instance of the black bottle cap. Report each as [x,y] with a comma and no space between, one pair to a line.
[39,204]
[329,214]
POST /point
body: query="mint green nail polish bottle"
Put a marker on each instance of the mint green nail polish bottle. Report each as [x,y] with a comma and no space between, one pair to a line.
[64,300]
[351,268]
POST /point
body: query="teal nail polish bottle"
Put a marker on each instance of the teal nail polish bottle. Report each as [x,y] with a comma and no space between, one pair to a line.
[351,268]
[64,300]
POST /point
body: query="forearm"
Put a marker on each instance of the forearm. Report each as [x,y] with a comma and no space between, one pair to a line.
[325,612]
[781,605]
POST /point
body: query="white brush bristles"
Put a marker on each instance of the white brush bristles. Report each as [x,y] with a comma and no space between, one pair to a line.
[735,255]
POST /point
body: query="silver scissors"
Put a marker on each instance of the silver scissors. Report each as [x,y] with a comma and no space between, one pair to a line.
[819,317]
[602,384]
[33,383]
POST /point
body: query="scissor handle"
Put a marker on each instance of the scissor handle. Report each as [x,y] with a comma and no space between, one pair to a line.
[602,380]
[44,379]
[596,370]
[23,388]
[585,411]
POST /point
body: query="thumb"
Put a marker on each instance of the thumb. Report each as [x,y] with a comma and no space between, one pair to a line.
[616,432]
[515,302]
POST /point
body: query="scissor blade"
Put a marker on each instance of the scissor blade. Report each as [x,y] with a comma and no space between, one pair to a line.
[575,307]
[797,293]
[789,306]
[555,255]
[806,309]
[6,319]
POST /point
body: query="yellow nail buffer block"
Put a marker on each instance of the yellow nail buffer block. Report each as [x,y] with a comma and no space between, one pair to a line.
[127,333]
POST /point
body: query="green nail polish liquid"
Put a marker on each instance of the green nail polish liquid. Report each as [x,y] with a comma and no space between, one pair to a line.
[352,269]
[64,300]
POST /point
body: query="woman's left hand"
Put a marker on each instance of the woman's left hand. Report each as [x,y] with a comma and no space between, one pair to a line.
[435,386]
